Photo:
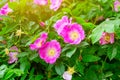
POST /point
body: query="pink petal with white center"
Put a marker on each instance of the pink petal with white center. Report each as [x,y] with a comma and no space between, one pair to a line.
[50,51]
[73,34]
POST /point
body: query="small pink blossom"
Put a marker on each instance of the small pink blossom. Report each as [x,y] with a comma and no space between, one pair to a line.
[13,54]
[39,42]
[5,10]
[42,24]
[107,38]
[50,51]
[60,24]
[41,2]
[12,0]
[67,76]
[116,5]
[55,4]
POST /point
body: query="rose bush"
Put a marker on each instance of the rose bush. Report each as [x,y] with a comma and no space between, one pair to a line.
[59,39]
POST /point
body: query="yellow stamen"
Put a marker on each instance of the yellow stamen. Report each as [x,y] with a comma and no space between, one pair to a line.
[74,35]
[51,52]
[107,38]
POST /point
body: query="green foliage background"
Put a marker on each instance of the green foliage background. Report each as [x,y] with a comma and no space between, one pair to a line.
[91,60]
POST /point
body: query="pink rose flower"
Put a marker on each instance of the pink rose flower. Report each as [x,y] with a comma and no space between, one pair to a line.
[5,10]
[55,4]
[116,5]
[73,34]
[50,51]
[60,24]
[41,2]
[13,54]
[107,38]
[67,76]
[39,42]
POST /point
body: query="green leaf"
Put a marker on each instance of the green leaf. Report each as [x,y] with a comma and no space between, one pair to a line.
[96,34]
[56,78]
[3,69]
[8,29]
[24,65]
[79,20]
[34,29]
[111,52]
[1,38]
[90,58]
[33,56]
[88,26]
[2,2]
[71,52]
[38,77]
[83,44]
[9,74]
[13,5]
[22,54]
[18,72]
[66,10]
[108,27]
[117,32]
[23,3]
[23,76]
[108,74]
[60,68]
[31,73]
[66,48]
[90,75]
[80,68]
